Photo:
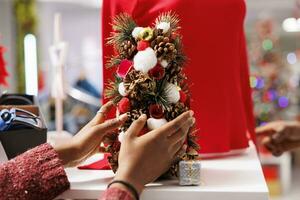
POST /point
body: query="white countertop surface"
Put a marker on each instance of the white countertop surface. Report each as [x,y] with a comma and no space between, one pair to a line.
[231,178]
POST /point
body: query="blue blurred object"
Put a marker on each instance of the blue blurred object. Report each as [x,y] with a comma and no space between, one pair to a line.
[85,85]
[18,118]
[6,118]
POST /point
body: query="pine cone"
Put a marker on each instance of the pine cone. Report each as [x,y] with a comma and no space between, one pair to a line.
[175,111]
[132,115]
[163,47]
[173,73]
[128,49]
[138,85]
[158,32]
[113,161]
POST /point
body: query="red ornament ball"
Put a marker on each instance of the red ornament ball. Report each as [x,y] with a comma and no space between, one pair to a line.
[157,72]
[124,68]
[156,111]
[124,105]
[142,45]
[183,96]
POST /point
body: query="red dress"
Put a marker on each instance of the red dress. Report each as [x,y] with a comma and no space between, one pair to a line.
[213,39]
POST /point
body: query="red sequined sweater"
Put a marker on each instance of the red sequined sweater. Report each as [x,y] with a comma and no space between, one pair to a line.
[39,174]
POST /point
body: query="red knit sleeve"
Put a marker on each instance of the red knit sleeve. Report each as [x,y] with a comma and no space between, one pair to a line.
[35,174]
[116,194]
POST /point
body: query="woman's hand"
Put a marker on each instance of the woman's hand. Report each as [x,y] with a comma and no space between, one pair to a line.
[279,136]
[87,141]
[143,159]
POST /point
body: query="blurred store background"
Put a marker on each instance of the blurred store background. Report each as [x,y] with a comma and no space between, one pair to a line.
[273,33]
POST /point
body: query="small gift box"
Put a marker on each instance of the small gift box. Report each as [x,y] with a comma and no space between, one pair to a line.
[189,172]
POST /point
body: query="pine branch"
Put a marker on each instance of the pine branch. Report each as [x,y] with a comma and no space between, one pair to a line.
[113,61]
[111,91]
[171,17]
[123,23]
[123,26]
[161,96]
[180,57]
[192,139]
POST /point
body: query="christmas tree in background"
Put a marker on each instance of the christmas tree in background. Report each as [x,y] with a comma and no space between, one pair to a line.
[274,93]
[149,78]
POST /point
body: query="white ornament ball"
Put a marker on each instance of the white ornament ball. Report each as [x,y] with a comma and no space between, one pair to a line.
[165,26]
[153,123]
[122,89]
[172,93]
[145,60]
[136,31]
[164,63]
[121,136]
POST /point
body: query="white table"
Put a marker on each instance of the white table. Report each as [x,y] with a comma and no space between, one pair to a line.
[232,178]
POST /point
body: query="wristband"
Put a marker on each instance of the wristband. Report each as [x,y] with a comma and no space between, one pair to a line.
[128,186]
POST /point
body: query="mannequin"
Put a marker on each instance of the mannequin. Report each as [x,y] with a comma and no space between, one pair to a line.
[214,42]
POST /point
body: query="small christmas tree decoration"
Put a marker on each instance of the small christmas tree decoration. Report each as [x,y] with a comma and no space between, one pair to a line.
[149,80]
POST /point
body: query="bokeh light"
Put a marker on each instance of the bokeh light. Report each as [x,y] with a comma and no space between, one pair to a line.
[267,45]
[292,58]
[260,83]
[283,102]
[253,81]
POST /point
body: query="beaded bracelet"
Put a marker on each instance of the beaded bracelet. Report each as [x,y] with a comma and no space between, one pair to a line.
[127,185]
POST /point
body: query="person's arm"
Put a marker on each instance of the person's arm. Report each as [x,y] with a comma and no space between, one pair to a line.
[39,173]
[279,136]
[36,174]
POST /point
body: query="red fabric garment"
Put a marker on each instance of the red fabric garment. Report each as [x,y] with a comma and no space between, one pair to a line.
[98,165]
[3,71]
[213,39]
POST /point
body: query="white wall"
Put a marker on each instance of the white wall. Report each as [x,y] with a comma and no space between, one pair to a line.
[7,39]
[81,30]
